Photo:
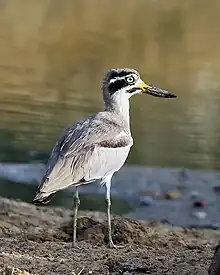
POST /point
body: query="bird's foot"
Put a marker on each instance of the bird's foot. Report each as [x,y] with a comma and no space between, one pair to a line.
[74,245]
[112,245]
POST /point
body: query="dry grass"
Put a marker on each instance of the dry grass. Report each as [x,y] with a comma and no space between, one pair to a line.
[7,270]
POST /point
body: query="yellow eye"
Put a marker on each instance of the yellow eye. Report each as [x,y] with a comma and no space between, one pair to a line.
[130,79]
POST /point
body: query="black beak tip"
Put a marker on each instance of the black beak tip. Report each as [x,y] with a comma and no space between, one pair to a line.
[154,91]
[172,95]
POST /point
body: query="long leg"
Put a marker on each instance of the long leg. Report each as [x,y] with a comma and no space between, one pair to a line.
[76,203]
[108,212]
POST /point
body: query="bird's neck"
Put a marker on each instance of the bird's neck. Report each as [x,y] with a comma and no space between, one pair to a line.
[119,105]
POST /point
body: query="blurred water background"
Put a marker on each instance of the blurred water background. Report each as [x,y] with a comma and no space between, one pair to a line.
[53,55]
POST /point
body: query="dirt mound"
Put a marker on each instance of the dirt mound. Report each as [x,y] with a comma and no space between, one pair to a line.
[37,240]
[124,231]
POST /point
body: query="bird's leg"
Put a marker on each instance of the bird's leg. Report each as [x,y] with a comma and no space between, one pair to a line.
[76,203]
[108,211]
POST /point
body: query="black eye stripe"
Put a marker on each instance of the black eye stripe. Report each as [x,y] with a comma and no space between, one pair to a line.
[118,74]
[117,85]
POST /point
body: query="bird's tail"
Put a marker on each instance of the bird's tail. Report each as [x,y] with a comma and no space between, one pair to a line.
[42,198]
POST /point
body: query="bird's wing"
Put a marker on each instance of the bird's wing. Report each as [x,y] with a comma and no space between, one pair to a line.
[73,154]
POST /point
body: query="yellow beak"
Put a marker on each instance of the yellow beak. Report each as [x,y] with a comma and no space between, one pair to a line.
[154,91]
[142,86]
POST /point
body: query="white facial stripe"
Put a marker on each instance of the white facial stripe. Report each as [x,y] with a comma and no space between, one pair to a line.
[123,77]
[115,79]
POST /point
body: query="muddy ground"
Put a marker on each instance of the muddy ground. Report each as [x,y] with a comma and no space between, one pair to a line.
[37,240]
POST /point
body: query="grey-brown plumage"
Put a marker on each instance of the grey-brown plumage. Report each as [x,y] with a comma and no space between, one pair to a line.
[96,147]
[81,155]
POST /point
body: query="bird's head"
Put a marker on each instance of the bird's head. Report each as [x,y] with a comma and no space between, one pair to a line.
[127,82]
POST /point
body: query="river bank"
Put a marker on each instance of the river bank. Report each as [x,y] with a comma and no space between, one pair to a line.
[157,194]
[37,240]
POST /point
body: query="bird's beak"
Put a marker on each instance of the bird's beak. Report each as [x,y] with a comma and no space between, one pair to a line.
[154,91]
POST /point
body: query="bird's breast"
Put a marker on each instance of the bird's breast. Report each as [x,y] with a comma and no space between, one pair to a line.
[119,141]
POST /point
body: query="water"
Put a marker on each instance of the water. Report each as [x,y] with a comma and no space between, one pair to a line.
[91,202]
[53,57]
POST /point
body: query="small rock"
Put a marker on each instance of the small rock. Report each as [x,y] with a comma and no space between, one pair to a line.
[194,195]
[155,195]
[146,200]
[200,215]
[200,203]
[172,195]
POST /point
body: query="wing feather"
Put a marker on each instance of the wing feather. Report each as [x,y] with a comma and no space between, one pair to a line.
[77,151]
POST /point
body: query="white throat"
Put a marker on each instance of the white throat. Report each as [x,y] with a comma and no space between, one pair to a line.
[119,104]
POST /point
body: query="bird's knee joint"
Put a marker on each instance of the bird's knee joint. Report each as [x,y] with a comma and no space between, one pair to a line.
[107,203]
[76,201]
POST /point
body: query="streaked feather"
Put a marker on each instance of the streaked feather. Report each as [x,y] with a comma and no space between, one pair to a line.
[86,152]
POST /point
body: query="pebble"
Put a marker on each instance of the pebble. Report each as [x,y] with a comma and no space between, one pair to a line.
[200,215]
[172,195]
[146,200]
[200,203]
[194,195]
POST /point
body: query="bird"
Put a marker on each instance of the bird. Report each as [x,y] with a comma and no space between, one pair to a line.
[96,147]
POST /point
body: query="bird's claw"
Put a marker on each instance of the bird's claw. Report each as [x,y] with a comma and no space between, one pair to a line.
[74,245]
[112,245]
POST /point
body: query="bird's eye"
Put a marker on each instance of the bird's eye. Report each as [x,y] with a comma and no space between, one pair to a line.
[130,79]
